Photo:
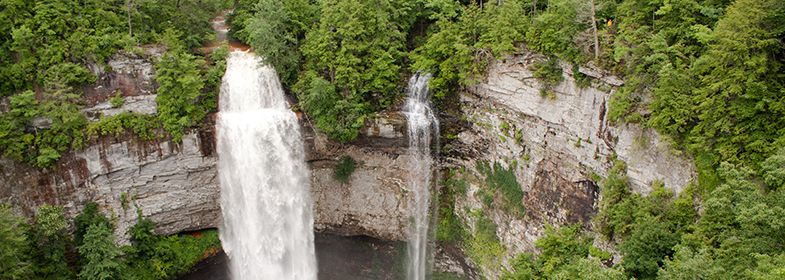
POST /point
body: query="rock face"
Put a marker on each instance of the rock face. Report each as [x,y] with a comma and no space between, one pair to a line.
[176,185]
[375,200]
[555,144]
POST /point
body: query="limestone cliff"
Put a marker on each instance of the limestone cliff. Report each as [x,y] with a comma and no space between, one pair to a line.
[175,184]
[557,142]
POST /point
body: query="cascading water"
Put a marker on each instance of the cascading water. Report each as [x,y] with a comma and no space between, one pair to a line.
[423,126]
[267,227]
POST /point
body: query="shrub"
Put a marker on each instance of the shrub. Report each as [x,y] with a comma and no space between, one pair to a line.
[50,242]
[482,245]
[549,73]
[344,169]
[117,100]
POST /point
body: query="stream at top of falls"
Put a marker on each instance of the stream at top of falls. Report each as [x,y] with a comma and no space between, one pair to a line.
[422,127]
[267,229]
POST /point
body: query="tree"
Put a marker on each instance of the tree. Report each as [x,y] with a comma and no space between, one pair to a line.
[276,31]
[357,47]
[649,243]
[100,254]
[14,258]
[50,243]
[594,30]
[740,102]
[179,89]
[89,216]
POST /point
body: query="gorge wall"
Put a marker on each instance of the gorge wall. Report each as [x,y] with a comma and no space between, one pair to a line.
[558,143]
[175,184]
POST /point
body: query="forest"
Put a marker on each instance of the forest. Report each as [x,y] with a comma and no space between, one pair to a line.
[708,75]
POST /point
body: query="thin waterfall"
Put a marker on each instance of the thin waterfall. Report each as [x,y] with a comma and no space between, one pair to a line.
[423,127]
[267,229]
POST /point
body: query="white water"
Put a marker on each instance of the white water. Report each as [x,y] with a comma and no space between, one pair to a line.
[423,126]
[267,229]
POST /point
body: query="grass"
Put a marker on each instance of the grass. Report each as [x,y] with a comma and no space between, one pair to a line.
[450,227]
[482,245]
[497,177]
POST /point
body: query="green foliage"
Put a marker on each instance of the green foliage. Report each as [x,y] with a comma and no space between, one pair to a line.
[774,170]
[100,254]
[559,247]
[503,27]
[339,118]
[14,258]
[164,257]
[344,169]
[143,126]
[622,106]
[481,244]
[616,207]
[588,269]
[117,100]
[649,242]
[47,49]
[89,216]
[179,88]
[450,226]
[647,228]
[554,31]
[741,108]
[50,243]
[497,177]
[276,31]
[581,80]
[549,73]
[563,255]
[352,57]
[37,131]
[687,264]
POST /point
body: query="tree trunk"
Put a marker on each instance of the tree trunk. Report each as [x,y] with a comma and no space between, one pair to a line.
[594,27]
[534,9]
[129,5]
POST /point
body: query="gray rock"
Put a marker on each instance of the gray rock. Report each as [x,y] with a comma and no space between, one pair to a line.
[42,122]
[558,143]
[142,104]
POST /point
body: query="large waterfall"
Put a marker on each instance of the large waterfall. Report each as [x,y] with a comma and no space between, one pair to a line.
[423,127]
[267,227]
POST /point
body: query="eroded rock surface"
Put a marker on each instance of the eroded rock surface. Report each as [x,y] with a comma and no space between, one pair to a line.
[555,144]
[176,185]
[375,200]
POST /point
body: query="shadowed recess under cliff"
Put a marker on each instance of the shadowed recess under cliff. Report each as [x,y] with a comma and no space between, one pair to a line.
[267,210]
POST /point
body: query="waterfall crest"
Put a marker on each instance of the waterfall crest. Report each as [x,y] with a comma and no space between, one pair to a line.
[422,128]
[267,229]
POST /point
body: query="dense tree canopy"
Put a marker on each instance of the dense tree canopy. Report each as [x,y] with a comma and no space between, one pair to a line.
[708,74]
[50,50]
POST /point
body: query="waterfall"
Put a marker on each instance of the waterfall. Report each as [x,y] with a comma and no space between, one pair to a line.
[423,127]
[267,229]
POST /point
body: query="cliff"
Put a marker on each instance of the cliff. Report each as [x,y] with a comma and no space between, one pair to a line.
[176,185]
[556,145]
